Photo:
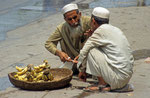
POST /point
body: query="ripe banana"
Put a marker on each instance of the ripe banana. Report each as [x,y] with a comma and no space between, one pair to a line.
[23,71]
[44,77]
[23,77]
[39,76]
[19,68]
[36,67]
[29,77]
[33,73]
[50,77]
[38,70]
[16,76]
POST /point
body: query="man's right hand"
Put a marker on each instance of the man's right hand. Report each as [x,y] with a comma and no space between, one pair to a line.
[63,56]
[88,33]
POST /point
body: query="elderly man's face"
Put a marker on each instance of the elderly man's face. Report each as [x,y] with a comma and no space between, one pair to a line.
[73,18]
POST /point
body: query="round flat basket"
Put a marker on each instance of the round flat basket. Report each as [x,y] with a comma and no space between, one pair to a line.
[62,78]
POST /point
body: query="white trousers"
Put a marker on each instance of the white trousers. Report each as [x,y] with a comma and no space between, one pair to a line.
[97,66]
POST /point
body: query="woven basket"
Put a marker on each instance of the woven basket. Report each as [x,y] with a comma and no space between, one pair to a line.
[62,78]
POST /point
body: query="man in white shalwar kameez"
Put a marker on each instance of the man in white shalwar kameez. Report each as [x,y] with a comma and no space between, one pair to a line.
[108,54]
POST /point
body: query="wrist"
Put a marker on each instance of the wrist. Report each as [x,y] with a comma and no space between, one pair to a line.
[58,52]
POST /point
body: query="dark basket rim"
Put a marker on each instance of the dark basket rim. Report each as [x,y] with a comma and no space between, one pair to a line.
[67,77]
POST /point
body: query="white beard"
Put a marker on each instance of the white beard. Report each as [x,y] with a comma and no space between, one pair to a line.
[76,32]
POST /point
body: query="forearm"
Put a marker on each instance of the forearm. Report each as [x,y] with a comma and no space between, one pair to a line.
[82,56]
[51,47]
[58,52]
[92,42]
[82,68]
[51,43]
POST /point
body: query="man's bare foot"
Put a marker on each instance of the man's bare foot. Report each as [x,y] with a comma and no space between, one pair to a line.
[101,88]
[106,89]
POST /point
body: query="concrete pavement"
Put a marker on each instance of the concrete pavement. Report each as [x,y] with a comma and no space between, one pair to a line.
[25,45]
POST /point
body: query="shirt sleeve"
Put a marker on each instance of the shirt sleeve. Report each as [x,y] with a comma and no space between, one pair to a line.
[51,43]
[96,40]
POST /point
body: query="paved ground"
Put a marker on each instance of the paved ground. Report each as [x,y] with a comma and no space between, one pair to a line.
[25,45]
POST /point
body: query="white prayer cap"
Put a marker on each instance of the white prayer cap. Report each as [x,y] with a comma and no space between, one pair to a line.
[69,7]
[101,12]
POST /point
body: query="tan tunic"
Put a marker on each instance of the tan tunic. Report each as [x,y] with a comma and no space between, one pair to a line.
[70,38]
[108,55]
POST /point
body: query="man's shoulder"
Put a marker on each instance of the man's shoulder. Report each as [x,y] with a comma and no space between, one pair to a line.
[85,18]
[107,26]
[85,21]
[62,25]
[104,27]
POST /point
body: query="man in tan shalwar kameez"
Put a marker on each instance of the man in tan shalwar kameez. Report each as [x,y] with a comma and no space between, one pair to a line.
[70,34]
[108,55]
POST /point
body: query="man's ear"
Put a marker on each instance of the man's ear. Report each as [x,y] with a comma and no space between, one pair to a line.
[93,20]
[65,19]
[80,13]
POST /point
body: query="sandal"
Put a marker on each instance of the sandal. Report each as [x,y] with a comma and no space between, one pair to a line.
[126,88]
[98,88]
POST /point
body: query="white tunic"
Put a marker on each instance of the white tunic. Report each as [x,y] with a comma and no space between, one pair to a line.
[112,43]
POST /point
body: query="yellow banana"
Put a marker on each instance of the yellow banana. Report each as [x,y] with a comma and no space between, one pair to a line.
[50,77]
[44,77]
[33,73]
[47,65]
[36,67]
[19,68]
[22,77]
[39,70]
[42,65]
[39,76]
[45,61]
[29,77]
[23,71]
[16,76]
[40,81]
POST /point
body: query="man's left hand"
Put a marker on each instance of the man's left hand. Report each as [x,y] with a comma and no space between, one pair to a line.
[82,76]
[75,59]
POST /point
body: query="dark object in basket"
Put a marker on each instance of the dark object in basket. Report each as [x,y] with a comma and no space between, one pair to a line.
[62,78]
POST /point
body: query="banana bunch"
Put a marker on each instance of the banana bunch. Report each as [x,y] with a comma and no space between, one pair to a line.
[33,73]
[23,71]
[47,75]
[22,77]
[41,67]
[29,77]
[39,76]
[50,77]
